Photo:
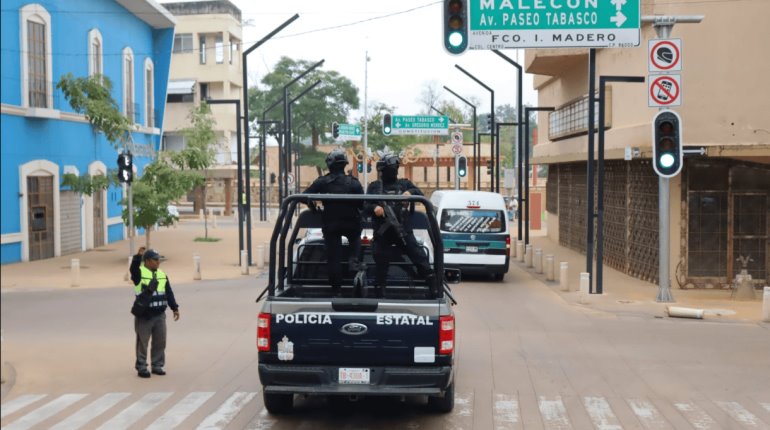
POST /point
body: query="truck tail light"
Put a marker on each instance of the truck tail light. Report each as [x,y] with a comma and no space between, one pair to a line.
[263,332]
[446,334]
[508,246]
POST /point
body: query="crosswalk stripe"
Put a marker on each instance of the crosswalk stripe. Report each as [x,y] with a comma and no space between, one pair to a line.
[554,413]
[226,412]
[740,414]
[648,414]
[181,410]
[462,414]
[18,403]
[46,411]
[696,416]
[134,412]
[93,410]
[766,406]
[506,412]
[601,413]
[265,421]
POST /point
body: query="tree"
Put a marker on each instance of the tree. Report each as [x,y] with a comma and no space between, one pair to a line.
[377,141]
[430,95]
[199,153]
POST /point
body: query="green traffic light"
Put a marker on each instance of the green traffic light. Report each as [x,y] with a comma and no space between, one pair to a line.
[456,39]
[666,160]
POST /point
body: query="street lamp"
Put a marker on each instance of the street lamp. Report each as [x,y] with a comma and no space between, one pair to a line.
[526,163]
[263,158]
[305,91]
[493,187]
[475,136]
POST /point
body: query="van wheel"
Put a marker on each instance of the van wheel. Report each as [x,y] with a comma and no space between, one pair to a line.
[498,276]
[445,403]
[278,404]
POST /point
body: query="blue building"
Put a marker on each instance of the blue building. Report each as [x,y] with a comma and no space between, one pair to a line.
[129,41]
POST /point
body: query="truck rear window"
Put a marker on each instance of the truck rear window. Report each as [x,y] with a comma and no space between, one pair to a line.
[472,221]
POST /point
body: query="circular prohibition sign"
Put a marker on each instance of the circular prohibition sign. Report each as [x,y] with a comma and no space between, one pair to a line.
[661,44]
[664,90]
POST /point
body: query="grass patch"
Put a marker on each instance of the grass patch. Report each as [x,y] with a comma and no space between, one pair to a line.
[207,239]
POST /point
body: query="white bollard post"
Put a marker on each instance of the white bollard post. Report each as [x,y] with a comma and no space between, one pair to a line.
[197,267]
[244,262]
[564,275]
[520,250]
[538,260]
[585,282]
[75,267]
[200,214]
[267,252]
[214,220]
[549,267]
[766,305]
[260,256]
[528,256]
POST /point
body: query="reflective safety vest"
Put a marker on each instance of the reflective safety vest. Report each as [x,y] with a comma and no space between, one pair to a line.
[159,296]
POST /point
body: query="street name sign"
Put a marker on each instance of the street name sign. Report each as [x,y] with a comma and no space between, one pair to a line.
[513,24]
[350,132]
[420,124]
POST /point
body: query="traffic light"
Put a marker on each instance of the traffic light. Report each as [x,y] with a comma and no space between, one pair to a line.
[462,166]
[667,144]
[387,120]
[368,167]
[335,130]
[126,167]
[489,167]
[360,166]
[272,178]
[455,26]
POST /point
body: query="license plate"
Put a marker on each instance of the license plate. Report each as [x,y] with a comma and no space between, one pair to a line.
[471,249]
[353,375]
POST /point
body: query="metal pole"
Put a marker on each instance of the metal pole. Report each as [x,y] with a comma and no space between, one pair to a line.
[130,219]
[366,120]
[475,136]
[263,169]
[526,164]
[590,168]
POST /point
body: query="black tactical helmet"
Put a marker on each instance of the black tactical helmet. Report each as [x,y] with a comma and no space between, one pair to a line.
[336,157]
[151,254]
[388,161]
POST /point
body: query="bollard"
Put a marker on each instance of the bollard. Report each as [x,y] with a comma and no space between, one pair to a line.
[549,267]
[200,214]
[564,276]
[267,252]
[766,305]
[214,220]
[520,250]
[538,260]
[197,267]
[680,312]
[127,276]
[75,267]
[585,283]
[528,255]
[260,256]
[244,262]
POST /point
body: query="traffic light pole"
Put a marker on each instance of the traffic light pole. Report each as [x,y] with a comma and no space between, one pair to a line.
[130,219]
[491,127]
[476,166]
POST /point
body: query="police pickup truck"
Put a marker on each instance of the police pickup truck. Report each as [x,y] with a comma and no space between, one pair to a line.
[312,342]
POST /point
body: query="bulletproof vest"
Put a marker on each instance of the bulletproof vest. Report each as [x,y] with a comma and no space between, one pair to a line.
[340,212]
[395,188]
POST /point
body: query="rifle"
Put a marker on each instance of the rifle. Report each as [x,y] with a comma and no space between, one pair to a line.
[391,221]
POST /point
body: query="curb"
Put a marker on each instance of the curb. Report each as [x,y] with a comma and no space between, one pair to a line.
[9,380]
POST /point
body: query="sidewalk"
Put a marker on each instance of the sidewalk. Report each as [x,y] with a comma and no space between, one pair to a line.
[108,265]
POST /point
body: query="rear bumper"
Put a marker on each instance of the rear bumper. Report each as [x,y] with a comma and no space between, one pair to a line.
[489,267]
[384,381]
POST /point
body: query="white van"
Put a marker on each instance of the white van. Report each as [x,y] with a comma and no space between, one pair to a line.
[474,229]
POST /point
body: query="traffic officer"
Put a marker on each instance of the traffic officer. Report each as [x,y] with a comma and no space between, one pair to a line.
[149,279]
[340,218]
[385,238]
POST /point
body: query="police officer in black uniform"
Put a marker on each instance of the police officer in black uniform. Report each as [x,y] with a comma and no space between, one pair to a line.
[385,238]
[339,218]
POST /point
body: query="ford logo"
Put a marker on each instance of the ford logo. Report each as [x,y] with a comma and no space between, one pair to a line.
[354,329]
[473,237]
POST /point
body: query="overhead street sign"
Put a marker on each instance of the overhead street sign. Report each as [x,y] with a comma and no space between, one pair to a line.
[665,91]
[665,55]
[510,24]
[350,132]
[420,124]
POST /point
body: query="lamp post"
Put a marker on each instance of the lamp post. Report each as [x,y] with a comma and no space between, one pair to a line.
[475,136]
[437,141]
[263,157]
[237,104]
[305,91]
[366,119]
[519,139]
[245,68]
[526,162]
[492,187]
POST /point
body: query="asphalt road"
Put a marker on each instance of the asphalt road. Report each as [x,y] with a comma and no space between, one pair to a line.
[526,359]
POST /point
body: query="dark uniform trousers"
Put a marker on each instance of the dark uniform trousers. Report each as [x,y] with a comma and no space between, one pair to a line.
[154,327]
[333,240]
[381,250]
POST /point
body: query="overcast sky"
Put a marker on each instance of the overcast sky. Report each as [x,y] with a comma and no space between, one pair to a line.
[404,41]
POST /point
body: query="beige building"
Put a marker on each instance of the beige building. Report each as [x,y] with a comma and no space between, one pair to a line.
[206,63]
[720,202]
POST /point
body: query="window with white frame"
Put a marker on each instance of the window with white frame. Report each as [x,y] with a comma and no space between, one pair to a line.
[128,84]
[233,49]
[149,99]
[95,53]
[219,49]
[37,87]
[183,43]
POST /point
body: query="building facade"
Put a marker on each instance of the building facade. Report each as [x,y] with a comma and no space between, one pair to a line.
[206,63]
[720,202]
[128,41]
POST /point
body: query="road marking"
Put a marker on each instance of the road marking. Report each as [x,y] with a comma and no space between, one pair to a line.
[226,412]
[264,421]
[19,402]
[648,414]
[554,413]
[462,414]
[696,416]
[93,410]
[46,411]
[134,412]
[601,413]
[506,413]
[181,410]
[740,414]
